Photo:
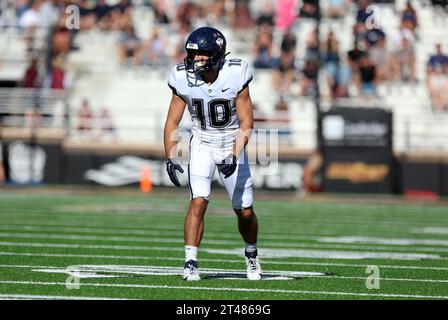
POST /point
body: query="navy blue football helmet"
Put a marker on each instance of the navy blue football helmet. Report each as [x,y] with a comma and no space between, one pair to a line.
[205,41]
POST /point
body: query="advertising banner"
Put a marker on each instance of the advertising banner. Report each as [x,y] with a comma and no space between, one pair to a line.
[357,150]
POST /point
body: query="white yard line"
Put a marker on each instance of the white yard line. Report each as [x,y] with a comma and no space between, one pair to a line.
[386,241]
[88,271]
[251,290]
[45,297]
[266,252]
[431,230]
[146,232]
[240,261]
[179,240]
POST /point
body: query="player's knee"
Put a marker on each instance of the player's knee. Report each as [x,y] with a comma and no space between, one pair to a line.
[199,204]
[245,213]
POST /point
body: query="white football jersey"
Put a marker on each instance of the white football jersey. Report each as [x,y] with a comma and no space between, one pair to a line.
[212,107]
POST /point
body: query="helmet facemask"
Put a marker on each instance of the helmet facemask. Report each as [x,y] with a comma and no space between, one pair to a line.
[199,67]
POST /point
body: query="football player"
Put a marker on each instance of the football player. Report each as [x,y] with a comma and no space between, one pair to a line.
[216,91]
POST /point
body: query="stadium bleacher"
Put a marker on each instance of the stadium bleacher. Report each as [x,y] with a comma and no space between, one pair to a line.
[138,96]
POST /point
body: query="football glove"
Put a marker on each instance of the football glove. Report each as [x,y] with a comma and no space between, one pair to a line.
[228,165]
[171,168]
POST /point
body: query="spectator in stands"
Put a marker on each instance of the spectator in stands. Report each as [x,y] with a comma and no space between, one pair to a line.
[409,17]
[241,19]
[312,46]
[439,59]
[123,6]
[266,15]
[263,48]
[339,88]
[154,48]
[283,74]
[403,56]
[31,78]
[85,118]
[21,6]
[285,14]
[217,13]
[331,57]
[282,104]
[367,78]
[362,15]
[102,13]
[130,46]
[160,12]
[337,70]
[288,43]
[57,78]
[355,54]
[107,125]
[310,9]
[380,58]
[440,8]
[62,38]
[178,54]
[2,167]
[337,8]
[49,13]
[443,4]
[31,19]
[309,77]
[373,36]
[121,15]
[281,119]
[87,15]
[438,89]
[185,13]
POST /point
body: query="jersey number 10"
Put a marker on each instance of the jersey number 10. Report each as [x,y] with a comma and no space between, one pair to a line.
[216,120]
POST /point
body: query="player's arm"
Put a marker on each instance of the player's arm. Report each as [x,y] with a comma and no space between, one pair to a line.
[244,111]
[175,113]
[170,136]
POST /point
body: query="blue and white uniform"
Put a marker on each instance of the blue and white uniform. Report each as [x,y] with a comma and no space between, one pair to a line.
[215,127]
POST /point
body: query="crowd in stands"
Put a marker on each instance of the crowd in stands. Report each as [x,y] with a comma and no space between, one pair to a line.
[375,57]
[95,126]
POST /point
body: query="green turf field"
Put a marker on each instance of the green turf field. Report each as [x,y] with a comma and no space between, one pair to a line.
[129,245]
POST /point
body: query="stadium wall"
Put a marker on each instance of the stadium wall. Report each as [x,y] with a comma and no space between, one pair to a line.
[53,162]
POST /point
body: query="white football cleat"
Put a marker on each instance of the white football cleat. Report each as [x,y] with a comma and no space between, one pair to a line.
[191,271]
[253,268]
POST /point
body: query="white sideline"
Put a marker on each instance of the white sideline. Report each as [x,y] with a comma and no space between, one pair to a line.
[170,271]
[266,252]
[45,297]
[324,264]
[386,241]
[306,292]
[292,244]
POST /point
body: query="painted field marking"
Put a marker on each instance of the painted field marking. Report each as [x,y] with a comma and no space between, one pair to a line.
[179,240]
[228,235]
[386,241]
[328,254]
[91,270]
[252,290]
[430,230]
[101,271]
[146,232]
[292,263]
[381,223]
[45,297]
[264,252]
